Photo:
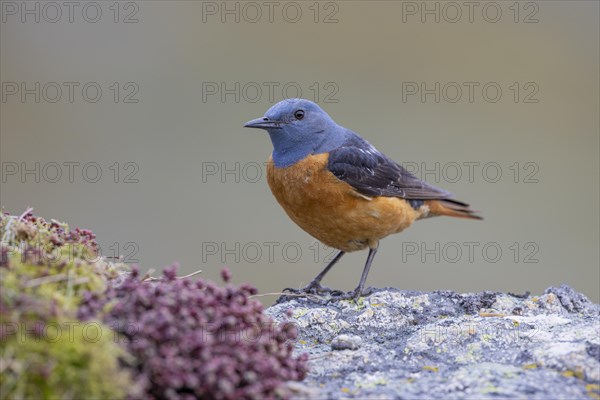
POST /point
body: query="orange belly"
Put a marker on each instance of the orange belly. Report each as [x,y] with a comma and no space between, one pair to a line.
[331,210]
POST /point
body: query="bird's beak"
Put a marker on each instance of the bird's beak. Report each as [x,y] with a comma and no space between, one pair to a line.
[263,123]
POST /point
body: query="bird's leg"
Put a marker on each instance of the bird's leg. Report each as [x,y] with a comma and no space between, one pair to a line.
[356,293]
[315,285]
[316,282]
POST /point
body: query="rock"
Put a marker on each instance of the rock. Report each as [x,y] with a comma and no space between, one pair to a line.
[448,345]
[346,342]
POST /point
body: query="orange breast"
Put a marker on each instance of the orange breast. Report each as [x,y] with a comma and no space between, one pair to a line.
[331,210]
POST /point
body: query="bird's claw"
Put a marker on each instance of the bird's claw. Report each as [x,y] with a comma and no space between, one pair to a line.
[311,288]
[338,295]
[331,295]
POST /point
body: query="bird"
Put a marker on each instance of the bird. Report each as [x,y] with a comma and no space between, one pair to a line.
[340,189]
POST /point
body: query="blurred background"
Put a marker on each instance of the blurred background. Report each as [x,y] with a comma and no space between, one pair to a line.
[126,118]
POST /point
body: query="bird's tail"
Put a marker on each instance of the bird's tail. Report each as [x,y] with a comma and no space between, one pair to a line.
[451,208]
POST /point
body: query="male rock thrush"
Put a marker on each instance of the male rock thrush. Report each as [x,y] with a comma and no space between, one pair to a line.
[339,188]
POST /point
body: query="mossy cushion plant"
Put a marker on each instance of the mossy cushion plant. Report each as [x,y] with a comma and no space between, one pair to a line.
[45,351]
[77,326]
[46,354]
[47,260]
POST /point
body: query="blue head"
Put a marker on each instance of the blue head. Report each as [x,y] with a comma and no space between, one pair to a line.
[298,128]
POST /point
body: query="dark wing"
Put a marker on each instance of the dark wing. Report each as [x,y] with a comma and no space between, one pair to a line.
[373,174]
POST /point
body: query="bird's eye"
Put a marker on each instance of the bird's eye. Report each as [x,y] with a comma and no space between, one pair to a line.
[299,114]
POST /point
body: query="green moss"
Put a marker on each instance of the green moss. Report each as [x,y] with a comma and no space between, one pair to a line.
[62,282]
[45,351]
[65,359]
[47,260]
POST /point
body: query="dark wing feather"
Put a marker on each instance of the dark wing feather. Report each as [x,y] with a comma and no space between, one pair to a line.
[373,174]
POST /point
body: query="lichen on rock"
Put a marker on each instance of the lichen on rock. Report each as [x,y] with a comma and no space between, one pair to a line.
[449,345]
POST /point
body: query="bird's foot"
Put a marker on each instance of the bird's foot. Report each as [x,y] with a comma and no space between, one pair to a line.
[312,288]
[316,292]
[338,295]
[355,294]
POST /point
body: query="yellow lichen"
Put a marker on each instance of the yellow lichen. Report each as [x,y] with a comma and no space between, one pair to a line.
[530,366]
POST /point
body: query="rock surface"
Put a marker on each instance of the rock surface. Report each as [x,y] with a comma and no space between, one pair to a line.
[415,345]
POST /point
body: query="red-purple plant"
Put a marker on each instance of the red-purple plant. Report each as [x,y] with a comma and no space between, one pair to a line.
[194,339]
